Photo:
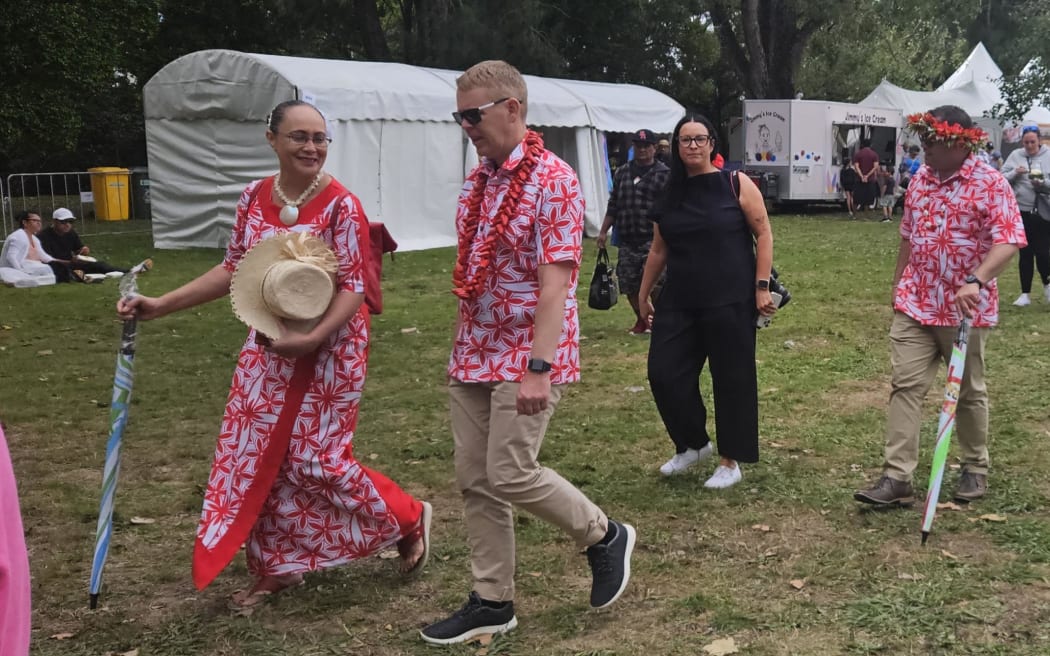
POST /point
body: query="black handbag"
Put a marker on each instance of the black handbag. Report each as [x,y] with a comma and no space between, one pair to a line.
[603,292]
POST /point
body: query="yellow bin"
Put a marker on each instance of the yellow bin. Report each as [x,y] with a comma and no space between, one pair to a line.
[109,187]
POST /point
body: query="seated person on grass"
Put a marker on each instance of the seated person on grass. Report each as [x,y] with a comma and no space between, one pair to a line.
[62,242]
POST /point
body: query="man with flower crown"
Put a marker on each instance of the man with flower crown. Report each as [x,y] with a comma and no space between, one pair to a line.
[960,228]
[520,225]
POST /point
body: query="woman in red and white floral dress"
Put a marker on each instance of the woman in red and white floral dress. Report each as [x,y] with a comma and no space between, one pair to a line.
[284,479]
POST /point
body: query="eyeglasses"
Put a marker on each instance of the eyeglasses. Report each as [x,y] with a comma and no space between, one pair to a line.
[698,140]
[299,138]
[473,116]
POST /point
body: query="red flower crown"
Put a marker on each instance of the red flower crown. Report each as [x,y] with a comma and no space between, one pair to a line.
[929,128]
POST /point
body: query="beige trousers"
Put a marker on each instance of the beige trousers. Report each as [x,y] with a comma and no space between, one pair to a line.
[496,467]
[916,353]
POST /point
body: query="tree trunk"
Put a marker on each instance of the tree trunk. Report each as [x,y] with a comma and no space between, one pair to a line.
[763,40]
[366,14]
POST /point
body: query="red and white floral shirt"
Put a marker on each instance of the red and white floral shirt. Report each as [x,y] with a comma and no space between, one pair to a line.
[951,226]
[495,333]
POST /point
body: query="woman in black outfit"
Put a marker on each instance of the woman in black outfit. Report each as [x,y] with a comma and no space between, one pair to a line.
[705,234]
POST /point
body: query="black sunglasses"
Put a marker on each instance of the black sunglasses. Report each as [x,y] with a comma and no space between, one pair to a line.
[473,116]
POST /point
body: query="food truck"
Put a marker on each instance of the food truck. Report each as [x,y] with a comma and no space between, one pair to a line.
[796,148]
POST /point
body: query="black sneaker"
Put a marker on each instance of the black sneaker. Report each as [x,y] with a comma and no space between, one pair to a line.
[474,619]
[610,562]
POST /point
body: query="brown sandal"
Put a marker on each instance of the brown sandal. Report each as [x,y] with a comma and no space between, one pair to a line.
[242,599]
[420,532]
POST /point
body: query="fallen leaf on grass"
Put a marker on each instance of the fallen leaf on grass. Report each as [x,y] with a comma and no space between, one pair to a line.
[536,574]
[989,518]
[954,466]
[45,352]
[409,331]
[389,554]
[722,647]
[948,554]
[373,456]
[776,445]
[910,577]
[762,527]
[62,636]
[143,520]
[634,389]
[951,505]
[5,327]
[798,584]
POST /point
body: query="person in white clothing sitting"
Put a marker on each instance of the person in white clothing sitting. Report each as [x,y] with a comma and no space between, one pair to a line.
[23,261]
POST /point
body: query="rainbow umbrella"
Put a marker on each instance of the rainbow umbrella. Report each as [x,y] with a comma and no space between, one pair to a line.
[945,425]
[118,418]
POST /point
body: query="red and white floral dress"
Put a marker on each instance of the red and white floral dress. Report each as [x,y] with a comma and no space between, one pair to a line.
[284,477]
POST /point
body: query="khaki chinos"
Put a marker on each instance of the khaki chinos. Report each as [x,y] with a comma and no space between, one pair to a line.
[496,467]
[916,352]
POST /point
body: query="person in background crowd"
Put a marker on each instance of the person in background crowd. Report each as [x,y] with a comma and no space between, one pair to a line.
[62,242]
[708,228]
[285,450]
[636,187]
[888,191]
[909,165]
[1026,169]
[516,347]
[866,163]
[15,615]
[663,151]
[950,253]
[848,179]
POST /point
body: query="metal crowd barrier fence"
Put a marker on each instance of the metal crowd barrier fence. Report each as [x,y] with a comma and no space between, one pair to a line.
[104,200]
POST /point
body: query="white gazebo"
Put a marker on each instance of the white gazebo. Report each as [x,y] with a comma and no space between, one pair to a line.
[395,144]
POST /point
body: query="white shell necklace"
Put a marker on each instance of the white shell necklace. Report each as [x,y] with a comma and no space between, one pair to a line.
[290,212]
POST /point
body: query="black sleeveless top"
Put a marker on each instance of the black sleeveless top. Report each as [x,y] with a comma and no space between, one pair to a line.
[710,248]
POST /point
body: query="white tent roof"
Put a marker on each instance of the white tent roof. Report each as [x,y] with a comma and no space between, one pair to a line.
[979,67]
[974,86]
[395,144]
[359,90]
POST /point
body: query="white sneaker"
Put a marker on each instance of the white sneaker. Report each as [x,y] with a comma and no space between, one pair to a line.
[683,461]
[724,477]
[1023,301]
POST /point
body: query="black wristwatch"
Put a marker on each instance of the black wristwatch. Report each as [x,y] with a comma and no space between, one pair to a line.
[762,284]
[974,279]
[538,366]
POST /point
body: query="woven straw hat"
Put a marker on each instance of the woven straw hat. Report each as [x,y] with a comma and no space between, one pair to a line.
[284,280]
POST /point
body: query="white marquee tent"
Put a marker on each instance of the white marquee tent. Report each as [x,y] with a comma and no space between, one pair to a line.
[974,86]
[395,144]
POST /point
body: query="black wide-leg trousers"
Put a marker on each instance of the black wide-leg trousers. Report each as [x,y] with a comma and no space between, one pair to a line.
[724,338]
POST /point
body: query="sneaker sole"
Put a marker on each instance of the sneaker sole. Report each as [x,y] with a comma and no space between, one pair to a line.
[463,637]
[631,537]
[903,502]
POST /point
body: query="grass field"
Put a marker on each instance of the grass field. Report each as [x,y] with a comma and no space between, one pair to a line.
[783,564]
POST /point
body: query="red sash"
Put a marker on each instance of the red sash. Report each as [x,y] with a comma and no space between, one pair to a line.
[208,563]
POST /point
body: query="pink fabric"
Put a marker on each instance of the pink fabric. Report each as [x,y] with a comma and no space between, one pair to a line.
[323,507]
[952,225]
[14,565]
[496,328]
